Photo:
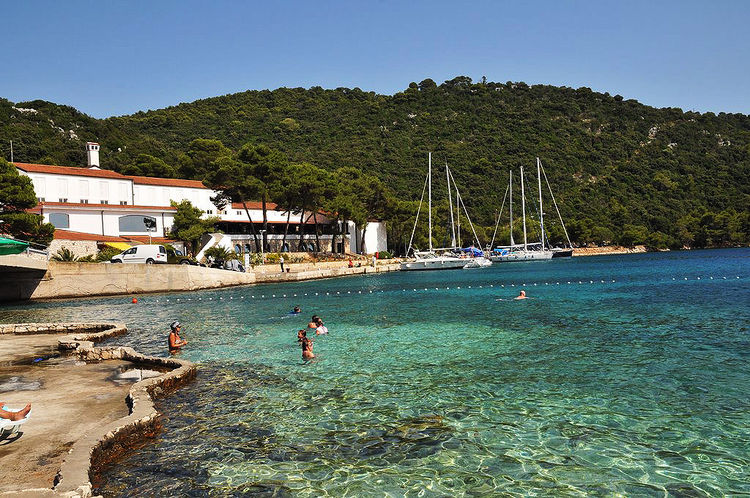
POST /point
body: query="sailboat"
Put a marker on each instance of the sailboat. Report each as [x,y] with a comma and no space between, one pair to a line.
[432,259]
[534,251]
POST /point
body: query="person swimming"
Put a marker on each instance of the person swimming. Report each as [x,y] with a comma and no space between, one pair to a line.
[296,311]
[307,346]
[521,295]
[300,335]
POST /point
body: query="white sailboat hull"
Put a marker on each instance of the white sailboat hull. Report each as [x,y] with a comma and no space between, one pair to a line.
[522,256]
[439,263]
[480,262]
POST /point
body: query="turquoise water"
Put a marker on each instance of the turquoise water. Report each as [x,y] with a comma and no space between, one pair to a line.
[634,381]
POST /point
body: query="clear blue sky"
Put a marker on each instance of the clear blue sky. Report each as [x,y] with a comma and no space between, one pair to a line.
[117,57]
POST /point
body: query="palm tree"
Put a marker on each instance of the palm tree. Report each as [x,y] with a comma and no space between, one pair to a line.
[65,254]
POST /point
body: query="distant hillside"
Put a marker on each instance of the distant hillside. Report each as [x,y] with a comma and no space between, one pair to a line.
[620,170]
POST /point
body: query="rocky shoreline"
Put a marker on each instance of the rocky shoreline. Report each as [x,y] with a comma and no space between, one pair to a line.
[107,439]
[598,251]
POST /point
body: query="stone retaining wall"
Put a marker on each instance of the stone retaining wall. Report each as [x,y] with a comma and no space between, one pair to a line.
[69,280]
[110,440]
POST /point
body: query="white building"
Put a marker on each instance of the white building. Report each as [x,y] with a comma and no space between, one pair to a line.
[97,205]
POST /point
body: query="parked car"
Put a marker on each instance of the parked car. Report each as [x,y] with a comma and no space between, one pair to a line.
[148,254]
[175,257]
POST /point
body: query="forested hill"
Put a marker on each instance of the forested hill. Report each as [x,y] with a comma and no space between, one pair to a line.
[621,171]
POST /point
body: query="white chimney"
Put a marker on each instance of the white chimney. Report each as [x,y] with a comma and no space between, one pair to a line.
[92,151]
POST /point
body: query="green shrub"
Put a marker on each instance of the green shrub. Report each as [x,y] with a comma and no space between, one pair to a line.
[89,258]
[384,255]
[107,253]
[218,252]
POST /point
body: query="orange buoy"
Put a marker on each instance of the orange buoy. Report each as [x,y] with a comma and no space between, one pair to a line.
[135,301]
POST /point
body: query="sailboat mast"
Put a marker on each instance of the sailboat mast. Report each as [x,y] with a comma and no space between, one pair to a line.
[450,204]
[458,219]
[523,209]
[429,190]
[541,209]
[510,186]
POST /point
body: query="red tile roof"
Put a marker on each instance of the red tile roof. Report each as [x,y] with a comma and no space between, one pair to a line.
[271,206]
[68,235]
[69,170]
[166,182]
[111,207]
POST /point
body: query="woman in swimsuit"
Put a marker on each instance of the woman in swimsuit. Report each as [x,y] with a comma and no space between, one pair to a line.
[307,346]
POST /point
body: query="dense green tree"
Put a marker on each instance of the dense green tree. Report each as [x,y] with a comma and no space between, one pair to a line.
[266,166]
[146,165]
[233,181]
[188,224]
[16,197]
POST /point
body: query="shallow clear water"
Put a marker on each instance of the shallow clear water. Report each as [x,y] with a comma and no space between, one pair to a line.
[639,386]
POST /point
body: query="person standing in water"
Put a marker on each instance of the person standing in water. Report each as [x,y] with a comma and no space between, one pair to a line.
[307,346]
[521,295]
[174,341]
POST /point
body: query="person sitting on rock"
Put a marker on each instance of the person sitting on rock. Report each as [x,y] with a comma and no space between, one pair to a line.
[9,415]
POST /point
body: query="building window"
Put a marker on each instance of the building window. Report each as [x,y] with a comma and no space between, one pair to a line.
[84,201]
[104,201]
[60,220]
[63,199]
[135,223]
[40,199]
[209,211]
[239,213]
[123,203]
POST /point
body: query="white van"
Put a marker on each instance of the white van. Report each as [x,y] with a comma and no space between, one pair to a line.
[148,254]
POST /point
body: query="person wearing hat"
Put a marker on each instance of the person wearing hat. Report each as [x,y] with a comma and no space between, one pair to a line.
[175,341]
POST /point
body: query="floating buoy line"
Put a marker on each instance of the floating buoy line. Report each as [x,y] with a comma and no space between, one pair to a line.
[422,289]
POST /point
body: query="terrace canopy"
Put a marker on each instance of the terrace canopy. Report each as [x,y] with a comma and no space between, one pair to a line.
[12,246]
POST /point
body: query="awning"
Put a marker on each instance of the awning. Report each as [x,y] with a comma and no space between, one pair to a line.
[122,246]
[11,246]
